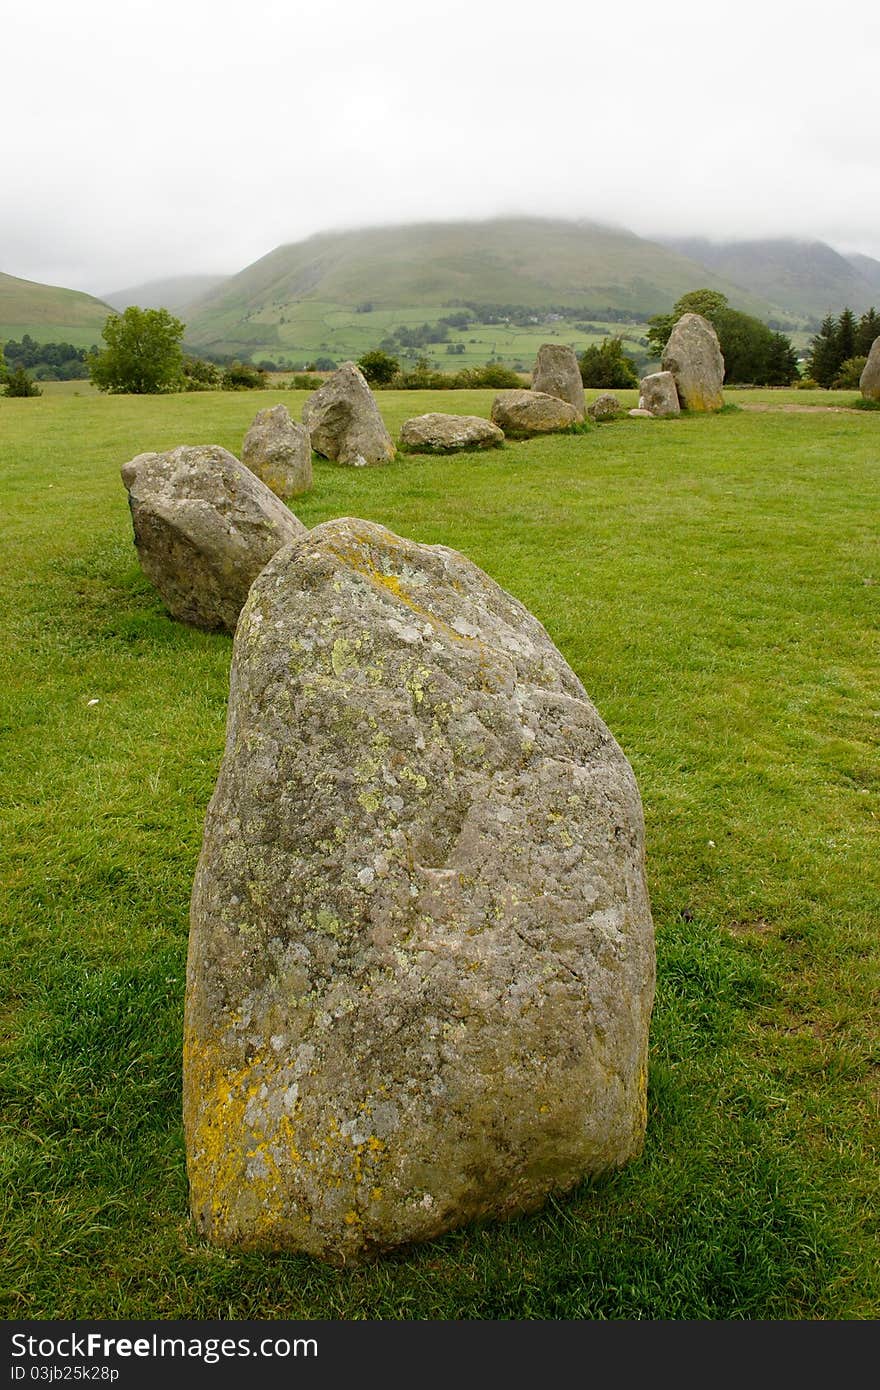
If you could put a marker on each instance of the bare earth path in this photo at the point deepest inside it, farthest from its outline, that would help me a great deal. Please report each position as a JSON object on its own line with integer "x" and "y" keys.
{"x": 790, "y": 409}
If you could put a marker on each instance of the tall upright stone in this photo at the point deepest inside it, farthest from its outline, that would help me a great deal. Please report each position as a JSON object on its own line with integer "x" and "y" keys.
{"x": 869, "y": 381}
{"x": 343, "y": 420}
{"x": 279, "y": 451}
{"x": 693, "y": 356}
{"x": 421, "y": 954}
{"x": 557, "y": 373}
{"x": 204, "y": 527}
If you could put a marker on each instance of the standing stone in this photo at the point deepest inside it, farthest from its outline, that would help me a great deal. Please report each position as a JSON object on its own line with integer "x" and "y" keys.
{"x": 421, "y": 956}
{"x": 279, "y": 451}
{"x": 693, "y": 356}
{"x": 604, "y": 407}
{"x": 204, "y": 527}
{"x": 869, "y": 381}
{"x": 557, "y": 373}
{"x": 521, "y": 414}
{"x": 449, "y": 434}
{"x": 657, "y": 393}
{"x": 343, "y": 420}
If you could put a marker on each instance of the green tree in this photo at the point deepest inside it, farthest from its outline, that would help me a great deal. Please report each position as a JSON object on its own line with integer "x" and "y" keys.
{"x": 846, "y": 334}
{"x": 782, "y": 362}
{"x": 20, "y": 383}
{"x": 2, "y": 366}
{"x": 868, "y": 329}
{"x": 606, "y": 365}
{"x": 824, "y": 361}
{"x": 709, "y": 303}
{"x": 379, "y": 367}
{"x": 143, "y": 355}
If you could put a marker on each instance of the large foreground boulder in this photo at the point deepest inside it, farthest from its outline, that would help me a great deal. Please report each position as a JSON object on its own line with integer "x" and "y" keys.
{"x": 448, "y": 434}
{"x": 557, "y": 373}
{"x": 343, "y": 420}
{"x": 421, "y": 954}
{"x": 521, "y": 414}
{"x": 204, "y": 527}
{"x": 658, "y": 394}
{"x": 693, "y": 356}
{"x": 279, "y": 451}
{"x": 869, "y": 381}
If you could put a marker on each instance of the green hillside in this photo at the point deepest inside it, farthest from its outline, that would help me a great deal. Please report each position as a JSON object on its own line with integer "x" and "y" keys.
{"x": 303, "y": 298}
{"x": 806, "y": 278}
{"x": 49, "y": 314}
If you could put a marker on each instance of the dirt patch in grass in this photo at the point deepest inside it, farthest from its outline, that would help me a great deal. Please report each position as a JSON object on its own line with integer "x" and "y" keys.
{"x": 787, "y": 408}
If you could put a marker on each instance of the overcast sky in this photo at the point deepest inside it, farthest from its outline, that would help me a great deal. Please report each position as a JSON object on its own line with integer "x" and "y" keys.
{"x": 175, "y": 136}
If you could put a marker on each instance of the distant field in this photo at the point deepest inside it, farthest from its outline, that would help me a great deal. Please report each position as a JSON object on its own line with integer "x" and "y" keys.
{"x": 301, "y": 332}
{"x": 713, "y": 581}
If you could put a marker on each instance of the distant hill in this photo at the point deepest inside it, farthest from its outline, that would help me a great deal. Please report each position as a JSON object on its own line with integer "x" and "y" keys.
{"x": 174, "y": 293}
{"x": 49, "y": 314}
{"x": 293, "y": 297}
{"x": 806, "y": 278}
{"x": 868, "y": 268}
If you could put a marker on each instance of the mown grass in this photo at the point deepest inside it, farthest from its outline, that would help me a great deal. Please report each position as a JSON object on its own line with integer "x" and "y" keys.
{"x": 714, "y": 583}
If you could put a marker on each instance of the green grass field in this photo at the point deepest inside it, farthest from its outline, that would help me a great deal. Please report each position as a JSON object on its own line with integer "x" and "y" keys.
{"x": 714, "y": 582}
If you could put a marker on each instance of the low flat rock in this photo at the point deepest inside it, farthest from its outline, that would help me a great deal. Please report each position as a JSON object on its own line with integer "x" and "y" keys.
{"x": 279, "y": 451}
{"x": 657, "y": 393}
{"x": 693, "y": 356}
{"x": 604, "y": 407}
{"x": 447, "y": 434}
{"x": 421, "y": 958}
{"x": 639, "y": 413}
{"x": 869, "y": 381}
{"x": 521, "y": 414}
{"x": 204, "y": 527}
{"x": 344, "y": 422}
{"x": 557, "y": 373}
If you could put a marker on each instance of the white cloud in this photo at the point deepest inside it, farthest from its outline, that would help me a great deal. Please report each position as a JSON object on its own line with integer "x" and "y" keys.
{"x": 175, "y": 137}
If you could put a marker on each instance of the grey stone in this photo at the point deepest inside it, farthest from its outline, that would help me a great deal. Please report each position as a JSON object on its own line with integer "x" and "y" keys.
{"x": 557, "y": 373}
{"x": 421, "y": 954}
{"x": 204, "y": 527}
{"x": 869, "y": 381}
{"x": 640, "y": 414}
{"x": 447, "y": 434}
{"x": 343, "y": 420}
{"x": 604, "y": 407}
{"x": 279, "y": 451}
{"x": 657, "y": 394}
{"x": 693, "y": 356}
{"x": 521, "y": 414}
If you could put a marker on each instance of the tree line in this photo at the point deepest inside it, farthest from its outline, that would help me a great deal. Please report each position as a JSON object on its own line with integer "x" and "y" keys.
{"x": 839, "y": 351}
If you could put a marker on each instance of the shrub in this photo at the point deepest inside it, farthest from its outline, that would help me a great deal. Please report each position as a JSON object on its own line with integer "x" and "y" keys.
{"x": 199, "y": 375}
{"x": 243, "y": 376}
{"x": 20, "y": 383}
{"x": 606, "y": 365}
{"x": 302, "y": 381}
{"x": 378, "y": 367}
{"x": 850, "y": 374}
